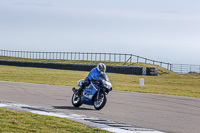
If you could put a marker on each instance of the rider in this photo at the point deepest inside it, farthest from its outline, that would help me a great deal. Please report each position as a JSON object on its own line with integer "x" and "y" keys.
{"x": 94, "y": 73}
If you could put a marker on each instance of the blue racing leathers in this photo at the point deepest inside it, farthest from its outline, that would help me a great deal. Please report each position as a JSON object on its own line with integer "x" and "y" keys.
{"x": 94, "y": 73}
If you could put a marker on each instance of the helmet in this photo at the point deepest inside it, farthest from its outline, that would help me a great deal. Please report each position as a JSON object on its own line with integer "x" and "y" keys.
{"x": 101, "y": 68}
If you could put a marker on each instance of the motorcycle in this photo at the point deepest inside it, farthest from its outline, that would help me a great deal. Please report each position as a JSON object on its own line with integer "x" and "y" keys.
{"x": 94, "y": 94}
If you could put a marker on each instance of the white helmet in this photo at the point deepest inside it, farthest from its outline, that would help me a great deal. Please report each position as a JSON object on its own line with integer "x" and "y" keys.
{"x": 101, "y": 68}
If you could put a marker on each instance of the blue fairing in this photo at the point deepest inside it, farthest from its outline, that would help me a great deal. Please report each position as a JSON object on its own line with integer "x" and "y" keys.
{"x": 88, "y": 94}
{"x": 90, "y": 91}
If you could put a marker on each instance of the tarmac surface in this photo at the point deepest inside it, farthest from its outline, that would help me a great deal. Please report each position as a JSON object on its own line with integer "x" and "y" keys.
{"x": 172, "y": 114}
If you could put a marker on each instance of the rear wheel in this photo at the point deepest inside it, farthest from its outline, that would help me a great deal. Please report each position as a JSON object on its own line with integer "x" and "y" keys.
{"x": 76, "y": 100}
{"x": 100, "y": 103}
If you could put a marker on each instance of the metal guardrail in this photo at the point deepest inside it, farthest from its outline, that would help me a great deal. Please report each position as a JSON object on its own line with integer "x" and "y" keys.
{"x": 115, "y": 57}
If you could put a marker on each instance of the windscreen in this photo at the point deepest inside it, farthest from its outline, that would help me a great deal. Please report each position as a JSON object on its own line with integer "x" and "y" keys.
{"x": 104, "y": 77}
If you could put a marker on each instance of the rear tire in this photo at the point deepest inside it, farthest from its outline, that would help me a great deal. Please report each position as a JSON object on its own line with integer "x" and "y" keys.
{"x": 101, "y": 102}
{"x": 76, "y": 100}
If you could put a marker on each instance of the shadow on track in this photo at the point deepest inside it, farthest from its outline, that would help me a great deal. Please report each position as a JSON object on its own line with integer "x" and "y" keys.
{"x": 70, "y": 108}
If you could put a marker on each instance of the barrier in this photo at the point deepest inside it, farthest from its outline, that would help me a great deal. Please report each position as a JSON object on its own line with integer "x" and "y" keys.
{"x": 152, "y": 71}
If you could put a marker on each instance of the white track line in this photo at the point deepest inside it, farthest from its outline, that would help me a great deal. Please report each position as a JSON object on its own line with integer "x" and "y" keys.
{"x": 95, "y": 122}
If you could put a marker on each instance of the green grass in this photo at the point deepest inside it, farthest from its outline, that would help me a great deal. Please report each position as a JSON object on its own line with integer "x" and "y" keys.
{"x": 18, "y": 121}
{"x": 23, "y": 122}
{"x": 171, "y": 83}
{"x": 166, "y": 82}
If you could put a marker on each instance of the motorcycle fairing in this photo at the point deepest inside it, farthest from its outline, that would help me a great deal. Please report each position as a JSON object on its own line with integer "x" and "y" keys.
{"x": 88, "y": 94}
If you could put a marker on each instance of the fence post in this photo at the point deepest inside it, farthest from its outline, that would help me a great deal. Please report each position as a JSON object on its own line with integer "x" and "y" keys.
{"x": 131, "y": 58}
{"x": 95, "y": 56}
{"x": 167, "y": 66}
{"x": 46, "y": 55}
{"x": 171, "y": 66}
{"x": 87, "y": 56}
{"x": 63, "y": 55}
{"x": 137, "y": 59}
{"x": 75, "y": 56}
{"x": 33, "y": 55}
{"x": 91, "y": 56}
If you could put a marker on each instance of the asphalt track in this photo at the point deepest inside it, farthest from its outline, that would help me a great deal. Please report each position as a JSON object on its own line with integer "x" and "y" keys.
{"x": 172, "y": 114}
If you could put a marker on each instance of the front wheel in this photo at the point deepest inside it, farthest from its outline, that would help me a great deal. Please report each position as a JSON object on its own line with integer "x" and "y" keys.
{"x": 99, "y": 104}
{"x": 76, "y": 100}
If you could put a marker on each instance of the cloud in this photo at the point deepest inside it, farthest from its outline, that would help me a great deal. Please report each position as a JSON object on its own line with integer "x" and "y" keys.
{"x": 32, "y": 3}
{"x": 131, "y": 14}
{"x": 171, "y": 12}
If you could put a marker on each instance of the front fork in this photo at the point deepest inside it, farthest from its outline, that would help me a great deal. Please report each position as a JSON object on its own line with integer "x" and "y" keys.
{"x": 98, "y": 93}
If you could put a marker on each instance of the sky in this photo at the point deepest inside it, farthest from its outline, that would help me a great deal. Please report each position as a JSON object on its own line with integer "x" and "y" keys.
{"x": 162, "y": 30}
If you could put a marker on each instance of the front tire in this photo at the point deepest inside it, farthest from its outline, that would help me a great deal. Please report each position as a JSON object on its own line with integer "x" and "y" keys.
{"x": 100, "y": 103}
{"x": 76, "y": 100}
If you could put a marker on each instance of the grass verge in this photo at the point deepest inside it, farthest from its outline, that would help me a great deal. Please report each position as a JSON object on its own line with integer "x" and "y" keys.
{"x": 18, "y": 121}
{"x": 170, "y": 83}
{"x": 22, "y": 122}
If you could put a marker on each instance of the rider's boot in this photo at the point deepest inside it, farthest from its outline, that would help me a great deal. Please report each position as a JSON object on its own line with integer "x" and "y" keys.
{"x": 84, "y": 84}
{"x": 79, "y": 91}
